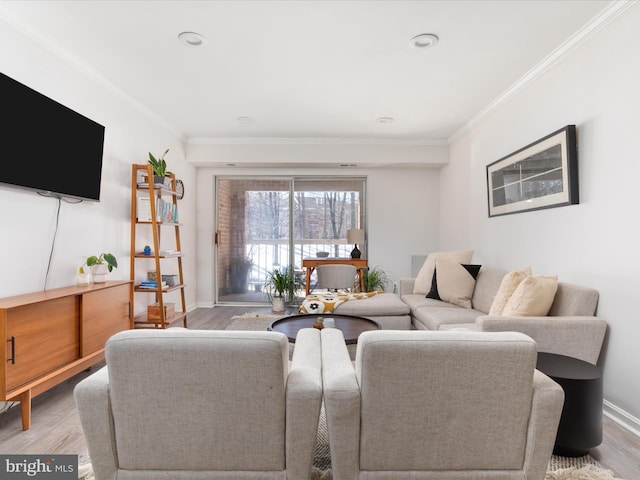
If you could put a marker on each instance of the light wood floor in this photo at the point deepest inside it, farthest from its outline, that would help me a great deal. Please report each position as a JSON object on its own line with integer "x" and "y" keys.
{"x": 55, "y": 427}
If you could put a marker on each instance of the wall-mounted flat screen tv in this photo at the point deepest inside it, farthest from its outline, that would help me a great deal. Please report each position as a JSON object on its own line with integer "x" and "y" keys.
{"x": 47, "y": 147}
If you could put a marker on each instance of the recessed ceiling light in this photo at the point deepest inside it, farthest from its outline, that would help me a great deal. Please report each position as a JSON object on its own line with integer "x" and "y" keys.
{"x": 384, "y": 120}
{"x": 192, "y": 39}
{"x": 425, "y": 40}
{"x": 246, "y": 119}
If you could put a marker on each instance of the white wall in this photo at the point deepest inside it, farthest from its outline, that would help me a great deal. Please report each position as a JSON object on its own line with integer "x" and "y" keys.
{"x": 594, "y": 243}
{"x": 402, "y": 206}
{"x": 28, "y": 226}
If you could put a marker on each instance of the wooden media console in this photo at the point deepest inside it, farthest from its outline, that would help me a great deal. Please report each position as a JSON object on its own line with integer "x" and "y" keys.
{"x": 54, "y": 335}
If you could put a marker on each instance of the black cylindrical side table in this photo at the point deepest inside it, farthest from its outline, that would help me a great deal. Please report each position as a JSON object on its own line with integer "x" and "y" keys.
{"x": 580, "y": 426}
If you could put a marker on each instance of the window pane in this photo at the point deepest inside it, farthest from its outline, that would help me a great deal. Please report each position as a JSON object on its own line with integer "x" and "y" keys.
{"x": 324, "y": 209}
{"x": 254, "y": 234}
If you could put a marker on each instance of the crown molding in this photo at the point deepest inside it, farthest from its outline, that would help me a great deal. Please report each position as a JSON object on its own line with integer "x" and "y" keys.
{"x": 597, "y": 23}
{"x": 315, "y": 141}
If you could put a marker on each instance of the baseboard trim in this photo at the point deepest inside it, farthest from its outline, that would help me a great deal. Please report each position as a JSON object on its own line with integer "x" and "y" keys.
{"x": 622, "y": 418}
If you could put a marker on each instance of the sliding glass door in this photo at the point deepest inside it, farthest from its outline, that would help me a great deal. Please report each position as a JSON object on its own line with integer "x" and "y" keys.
{"x": 266, "y": 222}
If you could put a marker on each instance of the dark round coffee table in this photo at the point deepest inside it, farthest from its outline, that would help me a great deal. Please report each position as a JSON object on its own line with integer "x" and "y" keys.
{"x": 580, "y": 426}
{"x": 351, "y": 326}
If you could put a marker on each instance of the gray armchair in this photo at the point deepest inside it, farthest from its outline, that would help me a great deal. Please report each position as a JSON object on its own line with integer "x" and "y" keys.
{"x": 188, "y": 404}
{"x": 434, "y": 405}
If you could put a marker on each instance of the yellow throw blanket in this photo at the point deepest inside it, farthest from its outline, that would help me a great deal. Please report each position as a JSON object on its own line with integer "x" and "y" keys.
{"x": 327, "y": 303}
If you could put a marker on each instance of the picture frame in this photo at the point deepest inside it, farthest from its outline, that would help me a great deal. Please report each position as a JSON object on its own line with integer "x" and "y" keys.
{"x": 541, "y": 175}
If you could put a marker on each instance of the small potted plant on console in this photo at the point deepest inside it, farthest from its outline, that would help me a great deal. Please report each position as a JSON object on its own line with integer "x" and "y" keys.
{"x": 101, "y": 266}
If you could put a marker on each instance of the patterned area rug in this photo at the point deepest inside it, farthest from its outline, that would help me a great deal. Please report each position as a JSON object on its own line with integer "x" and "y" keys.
{"x": 258, "y": 316}
{"x": 252, "y": 321}
{"x": 560, "y": 468}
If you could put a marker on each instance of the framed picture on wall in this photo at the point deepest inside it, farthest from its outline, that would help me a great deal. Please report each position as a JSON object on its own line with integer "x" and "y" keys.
{"x": 543, "y": 174}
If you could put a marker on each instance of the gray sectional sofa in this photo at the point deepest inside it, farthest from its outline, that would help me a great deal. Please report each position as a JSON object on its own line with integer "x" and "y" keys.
{"x": 571, "y": 328}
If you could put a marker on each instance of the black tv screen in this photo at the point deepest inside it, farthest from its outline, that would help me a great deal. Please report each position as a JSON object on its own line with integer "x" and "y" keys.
{"x": 46, "y": 146}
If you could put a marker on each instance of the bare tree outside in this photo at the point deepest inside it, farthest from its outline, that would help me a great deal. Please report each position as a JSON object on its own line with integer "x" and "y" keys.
{"x": 336, "y": 204}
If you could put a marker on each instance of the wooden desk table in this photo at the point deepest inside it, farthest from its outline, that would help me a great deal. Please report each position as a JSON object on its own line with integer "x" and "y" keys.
{"x": 310, "y": 264}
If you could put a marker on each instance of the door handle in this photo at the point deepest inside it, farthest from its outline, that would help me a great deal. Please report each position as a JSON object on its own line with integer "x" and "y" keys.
{"x": 13, "y": 350}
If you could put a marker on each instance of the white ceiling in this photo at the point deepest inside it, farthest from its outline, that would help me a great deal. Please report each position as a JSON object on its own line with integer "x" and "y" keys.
{"x": 312, "y": 69}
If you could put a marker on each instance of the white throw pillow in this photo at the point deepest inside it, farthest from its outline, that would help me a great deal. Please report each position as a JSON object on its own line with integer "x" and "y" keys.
{"x": 532, "y": 298}
{"x": 455, "y": 282}
{"x": 422, "y": 283}
{"x": 508, "y": 285}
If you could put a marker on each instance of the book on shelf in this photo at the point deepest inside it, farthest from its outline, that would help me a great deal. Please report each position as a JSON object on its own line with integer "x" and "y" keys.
{"x": 170, "y": 253}
{"x": 166, "y": 212}
{"x": 148, "y": 284}
{"x": 144, "y": 209}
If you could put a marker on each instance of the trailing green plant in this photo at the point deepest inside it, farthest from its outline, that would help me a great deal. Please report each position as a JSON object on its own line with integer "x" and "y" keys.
{"x": 159, "y": 164}
{"x": 107, "y": 258}
{"x": 375, "y": 279}
{"x": 281, "y": 283}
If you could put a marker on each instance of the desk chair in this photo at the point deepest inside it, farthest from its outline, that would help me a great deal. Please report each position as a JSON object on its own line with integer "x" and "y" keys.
{"x": 336, "y": 277}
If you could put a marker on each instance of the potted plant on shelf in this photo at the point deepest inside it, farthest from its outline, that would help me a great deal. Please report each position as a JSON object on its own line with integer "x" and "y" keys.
{"x": 101, "y": 266}
{"x": 159, "y": 167}
{"x": 280, "y": 287}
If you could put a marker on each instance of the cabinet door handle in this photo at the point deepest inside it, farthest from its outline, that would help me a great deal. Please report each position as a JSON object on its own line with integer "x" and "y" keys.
{"x": 13, "y": 351}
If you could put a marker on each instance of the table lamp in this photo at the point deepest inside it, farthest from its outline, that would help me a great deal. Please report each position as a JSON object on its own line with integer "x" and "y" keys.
{"x": 355, "y": 236}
